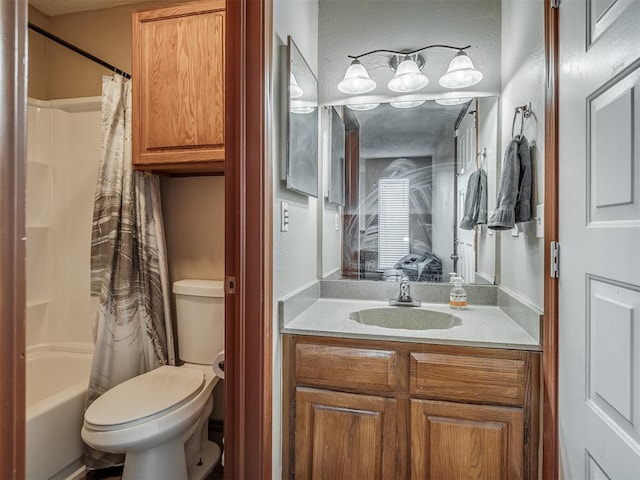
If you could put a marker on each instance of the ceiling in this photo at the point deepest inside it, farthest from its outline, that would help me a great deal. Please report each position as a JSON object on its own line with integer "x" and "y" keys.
{"x": 413, "y": 132}
{"x": 52, "y": 8}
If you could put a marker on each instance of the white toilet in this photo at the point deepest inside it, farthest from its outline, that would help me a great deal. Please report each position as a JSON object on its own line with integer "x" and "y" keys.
{"x": 159, "y": 419}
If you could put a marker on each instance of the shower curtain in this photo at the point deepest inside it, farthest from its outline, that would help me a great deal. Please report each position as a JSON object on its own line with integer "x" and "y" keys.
{"x": 132, "y": 325}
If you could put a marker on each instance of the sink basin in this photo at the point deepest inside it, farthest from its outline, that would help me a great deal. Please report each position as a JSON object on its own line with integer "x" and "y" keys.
{"x": 405, "y": 318}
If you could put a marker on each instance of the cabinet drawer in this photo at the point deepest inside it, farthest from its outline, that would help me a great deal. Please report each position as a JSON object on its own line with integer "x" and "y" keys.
{"x": 346, "y": 367}
{"x": 468, "y": 378}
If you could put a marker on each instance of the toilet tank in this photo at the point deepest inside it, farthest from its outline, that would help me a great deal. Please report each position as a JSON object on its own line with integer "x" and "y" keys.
{"x": 200, "y": 319}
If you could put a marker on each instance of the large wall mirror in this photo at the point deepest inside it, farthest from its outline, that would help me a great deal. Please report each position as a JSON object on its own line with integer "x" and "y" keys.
{"x": 410, "y": 155}
{"x": 413, "y": 168}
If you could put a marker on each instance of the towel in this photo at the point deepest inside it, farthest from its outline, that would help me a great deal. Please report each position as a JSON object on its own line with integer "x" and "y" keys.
{"x": 475, "y": 202}
{"x": 514, "y": 199}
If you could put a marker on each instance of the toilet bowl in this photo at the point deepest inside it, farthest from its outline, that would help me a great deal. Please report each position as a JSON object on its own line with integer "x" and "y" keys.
{"x": 160, "y": 419}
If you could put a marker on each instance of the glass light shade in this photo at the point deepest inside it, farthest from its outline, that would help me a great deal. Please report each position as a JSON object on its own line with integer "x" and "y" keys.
{"x": 407, "y": 104}
{"x": 408, "y": 77}
{"x": 302, "y": 110}
{"x": 294, "y": 90}
{"x": 356, "y": 80}
{"x": 461, "y": 73}
{"x": 361, "y": 107}
{"x": 452, "y": 101}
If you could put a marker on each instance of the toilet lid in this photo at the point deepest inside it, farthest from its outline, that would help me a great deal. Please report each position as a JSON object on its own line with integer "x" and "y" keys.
{"x": 146, "y": 395}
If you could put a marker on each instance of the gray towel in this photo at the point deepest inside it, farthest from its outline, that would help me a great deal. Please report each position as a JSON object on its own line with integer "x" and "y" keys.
{"x": 514, "y": 199}
{"x": 475, "y": 202}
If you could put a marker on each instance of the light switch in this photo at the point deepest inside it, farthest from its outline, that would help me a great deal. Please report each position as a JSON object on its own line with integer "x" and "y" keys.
{"x": 539, "y": 221}
{"x": 284, "y": 217}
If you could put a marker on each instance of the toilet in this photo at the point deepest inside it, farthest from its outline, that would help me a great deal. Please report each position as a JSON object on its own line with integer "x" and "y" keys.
{"x": 160, "y": 419}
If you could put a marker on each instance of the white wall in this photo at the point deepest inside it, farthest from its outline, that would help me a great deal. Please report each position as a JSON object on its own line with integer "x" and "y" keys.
{"x": 296, "y": 252}
{"x": 521, "y": 259}
{"x": 64, "y": 139}
{"x": 488, "y": 112}
{"x": 353, "y": 27}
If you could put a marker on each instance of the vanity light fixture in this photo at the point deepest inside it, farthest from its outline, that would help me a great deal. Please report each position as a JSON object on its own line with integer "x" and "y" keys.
{"x": 361, "y": 107}
{"x": 452, "y": 101}
{"x": 408, "y": 77}
{"x": 294, "y": 89}
{"x": 407, "y": 104}
{"x": 461, "y": 73}
{"x": 356, "y": 79}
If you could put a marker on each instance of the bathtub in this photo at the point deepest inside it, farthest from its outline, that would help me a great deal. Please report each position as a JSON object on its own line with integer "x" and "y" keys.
{"x": 57, "y": 378}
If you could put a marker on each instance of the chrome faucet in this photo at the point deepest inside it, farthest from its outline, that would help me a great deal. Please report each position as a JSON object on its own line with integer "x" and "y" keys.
{"x": 404, "y": 299}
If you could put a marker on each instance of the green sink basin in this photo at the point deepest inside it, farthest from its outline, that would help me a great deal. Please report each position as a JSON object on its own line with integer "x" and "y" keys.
{"x": 405, "y": 318}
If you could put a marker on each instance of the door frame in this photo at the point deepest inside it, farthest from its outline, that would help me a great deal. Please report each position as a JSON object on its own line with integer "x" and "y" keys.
{"x": 550, "y": 447}
{"x": 248, "y": 197}
{"x": 248, "y": 240}
{"x": 13, "y": 112}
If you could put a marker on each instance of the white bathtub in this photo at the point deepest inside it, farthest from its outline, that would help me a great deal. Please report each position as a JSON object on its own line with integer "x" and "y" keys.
{"x": 57, "y": 378}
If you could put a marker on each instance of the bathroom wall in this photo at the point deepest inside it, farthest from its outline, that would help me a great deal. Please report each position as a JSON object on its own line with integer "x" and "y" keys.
{"x": 488, "y": 111}
{"x": 351, "y": 27}
{"x": 38, "y": 86}
{"x": 521, "y": 258}
{"x": 296, "y": 252}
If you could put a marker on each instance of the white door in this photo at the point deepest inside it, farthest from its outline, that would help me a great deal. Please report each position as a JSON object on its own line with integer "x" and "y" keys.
{"x": 599, "y": 331}
{"x": 466, "y": 139}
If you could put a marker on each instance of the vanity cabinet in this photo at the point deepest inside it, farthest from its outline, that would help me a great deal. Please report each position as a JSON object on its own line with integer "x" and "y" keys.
{"x": 359, "y": 408}
{"x": 178, "y": 88}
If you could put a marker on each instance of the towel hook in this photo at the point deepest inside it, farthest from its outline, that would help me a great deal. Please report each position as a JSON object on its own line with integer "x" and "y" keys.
{"x": 525, "y": 110}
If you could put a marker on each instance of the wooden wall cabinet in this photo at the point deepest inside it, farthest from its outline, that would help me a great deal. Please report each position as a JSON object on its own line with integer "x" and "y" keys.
{"x": 387, "y": 410}
{"x": 178, "y": 88}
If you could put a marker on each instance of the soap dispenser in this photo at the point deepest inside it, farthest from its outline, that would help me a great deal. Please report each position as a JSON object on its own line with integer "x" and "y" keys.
{"x": 458, "y": 296}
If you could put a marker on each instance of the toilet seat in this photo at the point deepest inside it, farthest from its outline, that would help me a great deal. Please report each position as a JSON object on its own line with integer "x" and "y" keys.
{"x": 144, "y": 398}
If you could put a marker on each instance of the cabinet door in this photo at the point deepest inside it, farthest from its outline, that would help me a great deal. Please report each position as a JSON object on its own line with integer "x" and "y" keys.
{"x": 455, "y": 440}
{"x": 345, "y": 436}
{"x": 178, "y": 86}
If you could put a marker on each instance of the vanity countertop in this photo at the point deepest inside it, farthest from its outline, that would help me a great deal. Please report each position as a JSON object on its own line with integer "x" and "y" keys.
{"x": 482, "y": 326}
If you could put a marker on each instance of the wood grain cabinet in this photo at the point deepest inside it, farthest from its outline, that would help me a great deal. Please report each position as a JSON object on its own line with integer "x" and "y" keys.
{"x": 178, "y": 88}
{"x": 392, "y": 410}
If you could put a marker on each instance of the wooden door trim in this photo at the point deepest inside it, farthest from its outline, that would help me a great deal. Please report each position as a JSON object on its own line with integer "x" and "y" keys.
{"x": 13, "y": 109}
{"x": 550, "y": 450}
{"x": 248, "y": 219}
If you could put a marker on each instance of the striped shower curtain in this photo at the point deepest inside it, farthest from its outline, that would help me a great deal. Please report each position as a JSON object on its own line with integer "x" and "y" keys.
{"x": 132, "y": 325}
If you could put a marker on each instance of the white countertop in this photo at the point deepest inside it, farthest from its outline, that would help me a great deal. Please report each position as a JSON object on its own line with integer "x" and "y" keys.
{"x": 482, "y": 326}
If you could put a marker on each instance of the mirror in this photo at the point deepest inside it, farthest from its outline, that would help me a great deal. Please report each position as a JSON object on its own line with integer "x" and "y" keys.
{"x": 302, "y": 124}
{"x": 413, "y": 168}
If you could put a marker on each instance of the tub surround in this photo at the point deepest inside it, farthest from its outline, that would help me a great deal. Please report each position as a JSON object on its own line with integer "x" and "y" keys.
{"x": 495, "y": 318}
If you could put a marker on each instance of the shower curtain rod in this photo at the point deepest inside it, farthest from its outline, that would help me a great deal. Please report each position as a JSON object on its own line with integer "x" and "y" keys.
{"x": 78, "y": 50}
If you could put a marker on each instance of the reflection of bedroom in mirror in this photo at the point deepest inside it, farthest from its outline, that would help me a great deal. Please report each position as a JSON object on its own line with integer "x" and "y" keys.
{"x": 302, "y": 124}
{"x": 413, "y": 166}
